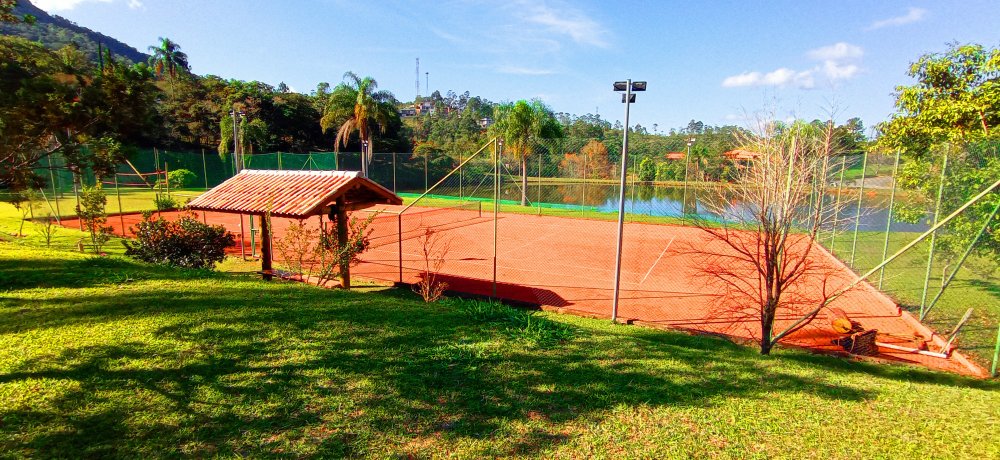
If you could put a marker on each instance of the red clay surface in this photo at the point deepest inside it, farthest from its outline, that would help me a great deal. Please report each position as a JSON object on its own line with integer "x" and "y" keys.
{"x": 568, "y": 264}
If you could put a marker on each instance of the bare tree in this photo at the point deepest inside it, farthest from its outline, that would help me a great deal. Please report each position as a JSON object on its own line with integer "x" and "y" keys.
{"x": 763, "y": 258}
{"x": 433, "y": 250}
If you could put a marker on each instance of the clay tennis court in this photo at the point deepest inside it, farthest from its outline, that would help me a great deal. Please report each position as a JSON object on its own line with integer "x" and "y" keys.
{"x": 568, "y": 264}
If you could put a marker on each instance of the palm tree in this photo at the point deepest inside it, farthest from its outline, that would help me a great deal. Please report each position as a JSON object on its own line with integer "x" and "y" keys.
{"x": 356, "y": 105}
{"x": 167, "y": 57}
{"x": 520, "y": 123}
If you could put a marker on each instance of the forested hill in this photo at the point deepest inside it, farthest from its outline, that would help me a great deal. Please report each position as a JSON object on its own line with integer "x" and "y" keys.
{"x": 56, "y": 31}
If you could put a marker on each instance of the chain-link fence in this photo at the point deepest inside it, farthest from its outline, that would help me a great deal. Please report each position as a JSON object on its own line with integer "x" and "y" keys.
{"x": 543, "y": 231}
{"x": 950, "y": 280}
{"x": 539, "y": 226}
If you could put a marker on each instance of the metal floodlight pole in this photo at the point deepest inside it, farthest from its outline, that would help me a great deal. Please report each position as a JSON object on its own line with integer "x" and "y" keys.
{"x": 628, "y": 98}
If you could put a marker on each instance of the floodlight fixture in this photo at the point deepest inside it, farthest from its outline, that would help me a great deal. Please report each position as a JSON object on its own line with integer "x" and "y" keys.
{"x": 631, "y": 98}
{"x": 625, "y": 85}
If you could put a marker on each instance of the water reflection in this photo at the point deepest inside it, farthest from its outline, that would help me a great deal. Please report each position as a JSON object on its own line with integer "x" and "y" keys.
{"x": 669, "y": 201}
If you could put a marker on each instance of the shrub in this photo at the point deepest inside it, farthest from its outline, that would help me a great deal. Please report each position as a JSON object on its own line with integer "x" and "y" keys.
{"x": 296, "y": 249}
{"x": 179, "y": 178}
{"x": 91, "y": 211}
{"x": 165, "y": 203}
{"x": 184, "y": 243}
{"x": 330, "y": 257}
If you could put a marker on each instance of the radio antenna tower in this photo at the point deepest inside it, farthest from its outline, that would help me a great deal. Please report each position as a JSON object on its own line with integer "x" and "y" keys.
{"x": 417, "y": 85}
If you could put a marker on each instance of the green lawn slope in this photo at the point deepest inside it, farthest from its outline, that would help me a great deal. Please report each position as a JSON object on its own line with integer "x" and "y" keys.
{"x": 105, "y": 357}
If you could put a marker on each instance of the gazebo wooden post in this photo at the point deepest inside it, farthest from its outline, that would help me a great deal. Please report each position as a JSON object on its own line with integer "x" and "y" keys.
{"x": 340, "y": 209}
{"x": 265, "y": 247}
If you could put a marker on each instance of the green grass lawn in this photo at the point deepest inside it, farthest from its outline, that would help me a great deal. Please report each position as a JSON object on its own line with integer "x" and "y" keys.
{"x": 105, "y": 357}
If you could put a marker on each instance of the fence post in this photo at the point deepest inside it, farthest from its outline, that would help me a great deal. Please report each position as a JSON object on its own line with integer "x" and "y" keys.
{"x": 166, "y": 177}
{"x": 121, "y": 212}
{"x": 204, "y": 167}
{"x": 497, "y": 146}
{"x": 538, "y": 196}
{"x": 279, "y": 161}
{"x": 583, "y": 200}
{"x": 996, "y": 354}
{"x": 399, "y": 243}
{"x": 76, "y": 194}
{"x": 937, "y": 213}
{"x": 55, "y": 194}
{"x": 426, "y": 185}
{"x": 888, "y": 219}
{"x": 393, "y": 172}
{"x": 857, "y": 212}
{"x": 836, "y": 206}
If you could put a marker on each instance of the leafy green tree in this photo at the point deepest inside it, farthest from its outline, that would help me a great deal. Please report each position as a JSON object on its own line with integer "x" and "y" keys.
{"x": 91, "y": 211}
{"x": 168, "y": 57}
{"x": 951, "y": 109}
{"x": 40, "y": 109}
{"x": 358, "y": 105}
{"x": 7, "y": 13}
{"x": 519, "y": 124}
{"x": 647, "y": 170}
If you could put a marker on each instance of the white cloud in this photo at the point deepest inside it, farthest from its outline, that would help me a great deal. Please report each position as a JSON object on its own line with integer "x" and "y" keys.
{"x": 912, "y": 15}
{"x": 838, "y": 71}
{"x": 62, "y": 5}
{"x": 516, "y": 70}
{"x": 564, "y": 20}
{"x": 779, "y": 77}
{"x": 836, "y": 51}
{"x": 134, "y": 4}
{"x": 839, "y": 62}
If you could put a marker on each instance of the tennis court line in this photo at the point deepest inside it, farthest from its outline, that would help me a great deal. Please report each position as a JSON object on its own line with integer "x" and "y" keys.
{"x": 651, "y": 267}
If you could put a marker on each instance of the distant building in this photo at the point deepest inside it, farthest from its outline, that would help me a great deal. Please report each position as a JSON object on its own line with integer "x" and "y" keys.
{"x": 407, "y": 112}
{"x": 740, "y": 154}
{"x": 675, "y": 155}
{"x": 485, "y": 122}
{"x": 425, "y": 106}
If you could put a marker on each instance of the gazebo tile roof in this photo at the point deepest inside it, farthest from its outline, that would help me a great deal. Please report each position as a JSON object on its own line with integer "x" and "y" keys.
{"x": 296, "y": 194}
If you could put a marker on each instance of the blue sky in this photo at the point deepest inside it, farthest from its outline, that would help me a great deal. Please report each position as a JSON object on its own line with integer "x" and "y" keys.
{"x": 711, "y": 61}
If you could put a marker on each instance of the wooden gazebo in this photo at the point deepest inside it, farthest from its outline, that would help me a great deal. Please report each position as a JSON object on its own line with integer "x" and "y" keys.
{"x": 295, "y": 195}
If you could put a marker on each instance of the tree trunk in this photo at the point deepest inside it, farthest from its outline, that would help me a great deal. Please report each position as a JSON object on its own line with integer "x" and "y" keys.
{"x": 765, "y": 340}
{"x": 524, "y": 180}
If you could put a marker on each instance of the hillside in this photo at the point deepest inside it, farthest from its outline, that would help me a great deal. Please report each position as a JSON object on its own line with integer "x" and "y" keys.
{"x": 55, "y": 32}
